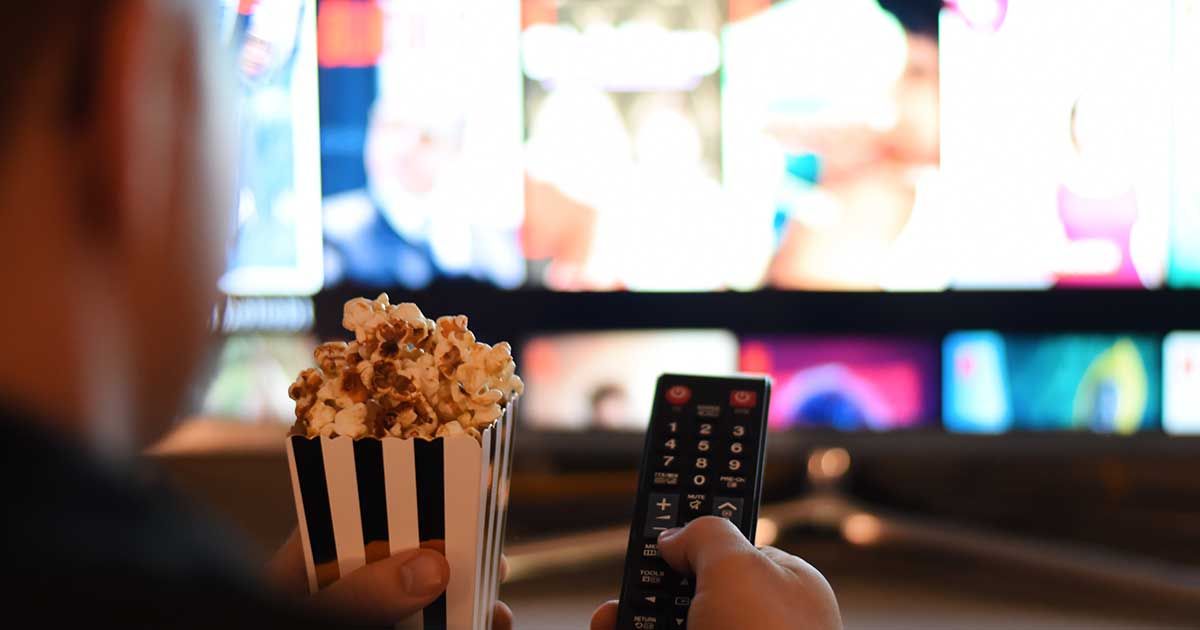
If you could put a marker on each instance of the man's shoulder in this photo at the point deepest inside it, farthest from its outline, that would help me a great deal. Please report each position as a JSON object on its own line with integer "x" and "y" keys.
{"x": 87, "y": 541}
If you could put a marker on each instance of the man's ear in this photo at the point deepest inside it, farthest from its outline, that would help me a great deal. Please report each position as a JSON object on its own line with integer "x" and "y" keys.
{"x": 131, "y": 125}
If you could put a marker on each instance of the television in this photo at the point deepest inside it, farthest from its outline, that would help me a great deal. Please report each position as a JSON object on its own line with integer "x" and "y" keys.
{"x": 798, "y": 145}
{"x": 851, "y": 190}
{"x": 274, "y": 248}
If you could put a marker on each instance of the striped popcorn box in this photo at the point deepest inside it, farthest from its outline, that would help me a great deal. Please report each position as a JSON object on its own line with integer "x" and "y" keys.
{"x": 359, "y": 501}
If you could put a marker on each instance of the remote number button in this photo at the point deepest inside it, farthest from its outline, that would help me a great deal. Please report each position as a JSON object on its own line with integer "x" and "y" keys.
{"x": 699, "y": 480}
{"x": 670, "y": 444}
{"x": 735, "y": 465}
{"x": 701, "y": 463}
{"x": 736, "y": 448}
{"x": 739, "y": 430}
{"x": 706, "y": 428}
{"x": 673, "y": 427}
{"x": 703, "y": 446}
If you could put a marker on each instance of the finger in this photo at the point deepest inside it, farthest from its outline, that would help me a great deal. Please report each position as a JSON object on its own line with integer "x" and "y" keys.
{"x": 793, "y": 564}
{"x": 703, "y": 544}
{"x": 502, "y": 619}
{"x": 816, "y": 587}
{"x": 439, "y": 546}
{"x": 391, "y": 589}
{"x": 605, "y": 617}
{"x": 286, "y": 571}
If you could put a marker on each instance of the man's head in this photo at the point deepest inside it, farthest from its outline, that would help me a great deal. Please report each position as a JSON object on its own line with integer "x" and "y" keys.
{"x": 113, "y": 177}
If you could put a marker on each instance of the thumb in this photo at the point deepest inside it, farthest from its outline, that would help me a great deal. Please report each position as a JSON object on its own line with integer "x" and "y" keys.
{"x": 705, "y": 544}
{"x": 390, "y": 589}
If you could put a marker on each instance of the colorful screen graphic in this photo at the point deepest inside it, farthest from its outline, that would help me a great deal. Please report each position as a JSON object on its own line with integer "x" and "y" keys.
{"x": 421, "y": 141}
{"x": 830, "y": 114}
{"x": 606, "y": 380}
{"x": 252, "y": 376}
{"x": 994, "y": 382}
{"x": 851, "y": 383}
{"x": 1056, "y": 135}
{"x": 1184, "y": 269}
{"x": 275, "y": 246}
{"x": 658, "y": 145}
{"x": 622, "y": 146}
{"x": 1181, "y": 386}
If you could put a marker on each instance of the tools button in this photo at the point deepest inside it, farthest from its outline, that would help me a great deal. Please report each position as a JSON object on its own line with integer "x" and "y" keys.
{"x": 652, "y": 574}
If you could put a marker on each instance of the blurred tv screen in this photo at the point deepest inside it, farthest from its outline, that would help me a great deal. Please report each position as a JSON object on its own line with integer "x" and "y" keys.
{"x": 605, "y": 380}
{"x": 1056, "y": 143}
{"x": 274, "y": 247}
{"x": 847, "y": 383}
{"x": 252, "y": 374}
{"x": 421, "y": 141}
{"x": 1184, "y": 265}
{"x": 653, "y": 145}
{"x": 1105, "y": 383}
{"x": 1181, "y": 387}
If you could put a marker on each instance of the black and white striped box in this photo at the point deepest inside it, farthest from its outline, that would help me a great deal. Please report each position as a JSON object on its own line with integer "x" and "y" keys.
{"x": 362, "y": 500}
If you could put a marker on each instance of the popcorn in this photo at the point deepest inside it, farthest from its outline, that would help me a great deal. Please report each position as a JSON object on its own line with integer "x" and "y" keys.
{"x": 404, "y": 375}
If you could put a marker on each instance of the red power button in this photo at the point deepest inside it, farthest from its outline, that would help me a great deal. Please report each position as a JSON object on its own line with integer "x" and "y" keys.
{"x": 743, "y": 398}
{"x": 679, "y": 395}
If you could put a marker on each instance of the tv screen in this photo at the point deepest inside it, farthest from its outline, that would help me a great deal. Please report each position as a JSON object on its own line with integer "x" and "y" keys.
{"x": 652, "y": 145}
{"x": 1056, "y": 143}
{"x": 605, "y": 380}
{"x": 421, "y": 141}
{"x": 275, "y": 245}
{"x": 1183, "y": 269}
{"x": 994, "y": 382}
{"x": 1181, "y": 386}
{"x": 847, "y": 383}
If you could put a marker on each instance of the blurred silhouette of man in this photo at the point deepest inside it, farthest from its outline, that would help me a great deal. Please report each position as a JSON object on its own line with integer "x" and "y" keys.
{"x": 114, "y": 173}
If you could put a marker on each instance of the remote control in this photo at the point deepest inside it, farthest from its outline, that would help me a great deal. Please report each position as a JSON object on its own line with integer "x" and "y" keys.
{"x": 704, "y": 455}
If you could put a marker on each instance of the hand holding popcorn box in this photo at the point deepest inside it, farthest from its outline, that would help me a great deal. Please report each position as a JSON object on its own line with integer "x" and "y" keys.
{"x": 403, "y": 437}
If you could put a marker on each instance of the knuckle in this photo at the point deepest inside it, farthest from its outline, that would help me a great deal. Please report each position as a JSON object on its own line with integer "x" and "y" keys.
{"x": 708, "y": 526}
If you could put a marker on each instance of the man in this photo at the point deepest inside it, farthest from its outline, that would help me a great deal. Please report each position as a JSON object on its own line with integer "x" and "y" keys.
{"x": 114, "y": 170}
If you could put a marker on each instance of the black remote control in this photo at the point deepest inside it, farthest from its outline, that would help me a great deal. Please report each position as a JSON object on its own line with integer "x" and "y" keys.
{"x": 704, "y": 455}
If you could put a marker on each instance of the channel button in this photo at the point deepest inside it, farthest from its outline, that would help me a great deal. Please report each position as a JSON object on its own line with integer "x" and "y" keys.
{"x": 729, "y": 508}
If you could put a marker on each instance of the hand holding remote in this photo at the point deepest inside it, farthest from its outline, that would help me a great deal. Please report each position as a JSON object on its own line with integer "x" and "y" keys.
{"x": 738, "y": 586}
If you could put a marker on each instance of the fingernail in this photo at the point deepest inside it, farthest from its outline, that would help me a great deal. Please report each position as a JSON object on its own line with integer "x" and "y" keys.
{"x": 668, "y": 533}
{"x": 424, "y": 574}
